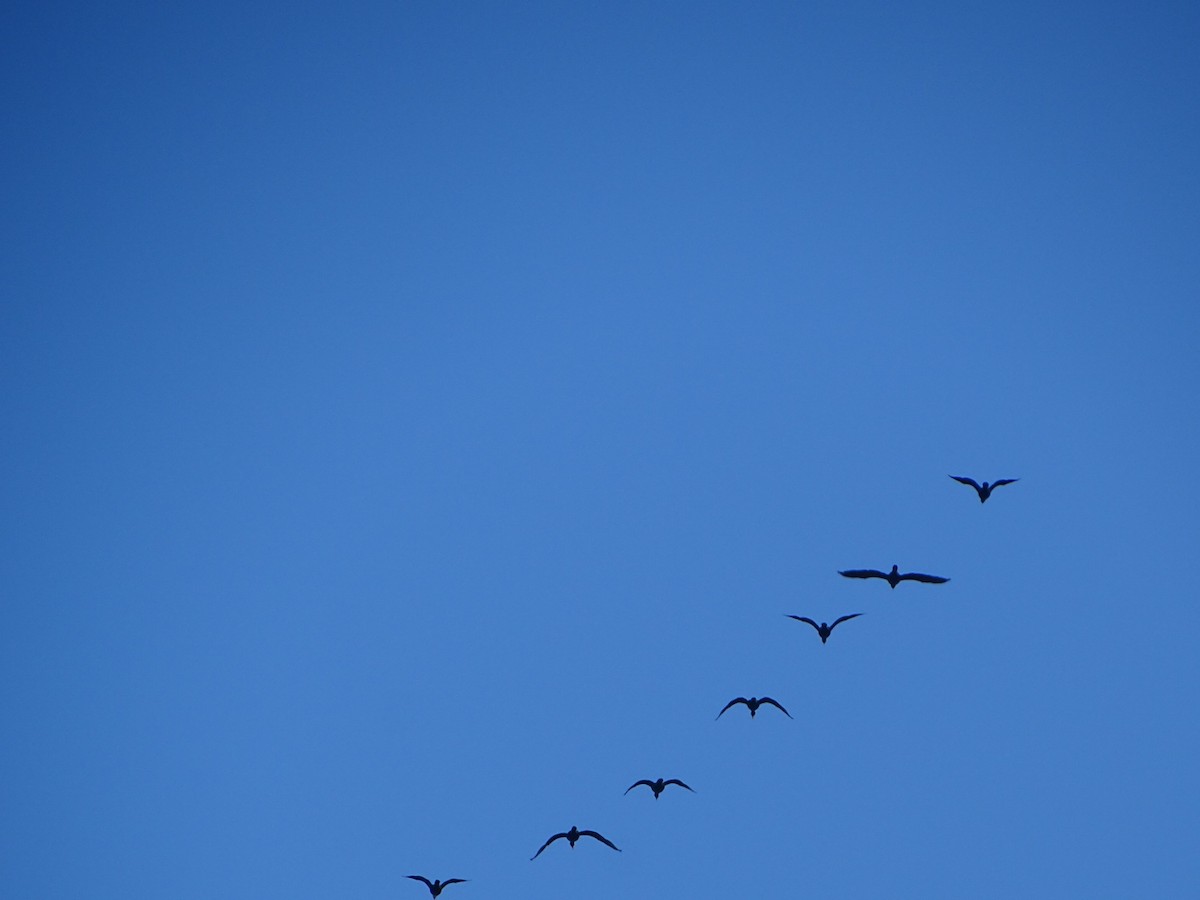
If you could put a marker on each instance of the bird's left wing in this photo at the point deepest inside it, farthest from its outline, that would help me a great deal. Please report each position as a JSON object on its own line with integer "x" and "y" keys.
{"x": 806, "y": 619}
{"x": 549, "y": 841}
{"x": 731, "y": 703}
{"x": 997, "y": 484}
{"x": 678, "y": 782}
{"x": 837, "y": 622}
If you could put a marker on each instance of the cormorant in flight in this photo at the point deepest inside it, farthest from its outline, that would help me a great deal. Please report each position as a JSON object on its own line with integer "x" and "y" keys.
{"x": 753, "y": 704}
{"x": 824, "y": 630}
{"x": 435, "y": 887}
{"x": 572, "y": 836}
{"x": 657, "y": 786}
{"x": 894, "y": 577}
{"x": 983, "y": 490}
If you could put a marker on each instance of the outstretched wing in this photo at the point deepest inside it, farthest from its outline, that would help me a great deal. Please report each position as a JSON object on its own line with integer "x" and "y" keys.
{"x": 926, "y": 579}
{"x": 863, "y": 573}
{"x": 837, "y": 622}
{"x": 997, "y": 484}
{"x": 601, "y": 838}
{"x": 678, "y": 782}
{"x": 776, "y": 704}
{"x": 649, "y": 784}
{"x": 552, "y": 839}
{"x": 455, "y": 881}
{"x": 732, "y": 702}
{"x": 428, "y": 883}
{"x": 961, "y": 479}
{"x": 808, "y": 620}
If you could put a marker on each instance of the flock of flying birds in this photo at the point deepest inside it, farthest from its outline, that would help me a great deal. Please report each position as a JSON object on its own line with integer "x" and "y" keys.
{"x": 824, "y": 630}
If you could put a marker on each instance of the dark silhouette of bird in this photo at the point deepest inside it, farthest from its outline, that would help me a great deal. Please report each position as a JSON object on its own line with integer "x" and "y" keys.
{"x": 435, "y": 887}
{"x": 572, "y": 836}
{"x": 824, "y": 630}
{"x": 983, "y": 490}
{"x": 894, "y": 577}
{"x": 657, "y": 786}
{"x": 753, "y": 704}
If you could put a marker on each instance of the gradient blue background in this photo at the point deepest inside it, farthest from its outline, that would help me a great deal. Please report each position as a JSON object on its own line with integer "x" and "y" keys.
{"x": 419, "y": 417}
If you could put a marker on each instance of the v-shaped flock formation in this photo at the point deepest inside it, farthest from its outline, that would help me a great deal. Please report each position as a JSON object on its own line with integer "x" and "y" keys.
{"x": 753, "y": 704}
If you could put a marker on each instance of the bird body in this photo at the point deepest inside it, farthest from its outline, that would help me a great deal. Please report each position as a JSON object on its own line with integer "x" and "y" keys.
{"x": 983, "y": 490}
{"x": 435, "y": 887}
{"x": 658, "y": 786}
{"x": 893, "y": 577}
{"x": 753, "y": 704}
{"x": 823, "y": 629}
{"x": 572, "y": 836}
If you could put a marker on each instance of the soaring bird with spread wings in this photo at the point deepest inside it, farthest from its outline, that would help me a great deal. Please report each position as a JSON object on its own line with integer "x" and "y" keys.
{"x": 572, "y": 836}
{"x": 435, "y": 887}
{"x": 753, "y": 704}
{"x": 657, "y": 786}
{"x": 823, "y": 629}
{"x": 894, "y": 577}
{"x": 983, "y": 490}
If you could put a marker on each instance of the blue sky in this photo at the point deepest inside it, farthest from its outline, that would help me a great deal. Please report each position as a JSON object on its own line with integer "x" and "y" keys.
{"x": 419, "y": 418}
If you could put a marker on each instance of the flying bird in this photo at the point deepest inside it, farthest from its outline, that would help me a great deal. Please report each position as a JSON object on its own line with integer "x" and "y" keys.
{"x": 893, "y": 577}
{"x": 572, "y": 836}
{"x": 824, "y": 630}
{"x": 753, "y": 704}
{"x": 658, "y": 786}
{"x": 435, "y": 887}
{"x": 983, "y": 490}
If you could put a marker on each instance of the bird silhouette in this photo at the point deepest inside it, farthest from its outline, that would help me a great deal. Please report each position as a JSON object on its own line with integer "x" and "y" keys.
{"x": 983, "y": 490}
{"x": 657, "y": 786}
{"x": 894, "y": 577}
{"x": 435, "y": 887}
{"x": 572, "y": 836}
{"x": 753, "y": 704}
{"x": 824, "y": 630}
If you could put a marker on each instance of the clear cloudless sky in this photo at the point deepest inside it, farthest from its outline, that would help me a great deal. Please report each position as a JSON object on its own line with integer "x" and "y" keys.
{"x": 418, "y": 419}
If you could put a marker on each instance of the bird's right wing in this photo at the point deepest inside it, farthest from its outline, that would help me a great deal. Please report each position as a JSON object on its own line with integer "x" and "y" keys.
{"x": 863, "y": 573}
{"x": 551, "y": 840}
{"x": 731, "y": 703}
{"x": 455, "y": 881}
{"x": 776, "y": 704}
{"x": 428, "y": 883}
{"x": 648, "y": 784}
{"x": 808, "y": 620}
{"x": 962, "y": 479}
{"x": 678, "y": 782}
{"x": 837, "y": 622}
{"x": 1002, "y": 481}
{"x": 925, "y": 579}
{"x": 601, "y": 838}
